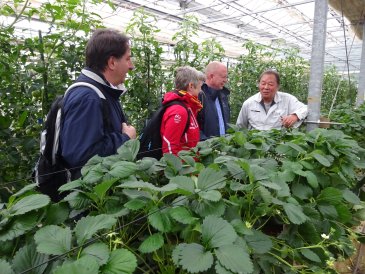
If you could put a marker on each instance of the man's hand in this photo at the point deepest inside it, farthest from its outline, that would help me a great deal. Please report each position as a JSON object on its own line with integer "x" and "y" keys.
{"x": 129, "y": 130}
{"x": 290, "y": 120}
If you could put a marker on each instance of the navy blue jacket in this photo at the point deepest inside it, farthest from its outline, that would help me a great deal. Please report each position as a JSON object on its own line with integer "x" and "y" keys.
{"x": 84, "y": 133}
{"x": 208, "y": 117}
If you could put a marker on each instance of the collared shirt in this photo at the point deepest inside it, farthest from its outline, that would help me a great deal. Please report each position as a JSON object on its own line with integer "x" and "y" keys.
{"x": 222, "y": 130}
{"x": 254, "y": 116}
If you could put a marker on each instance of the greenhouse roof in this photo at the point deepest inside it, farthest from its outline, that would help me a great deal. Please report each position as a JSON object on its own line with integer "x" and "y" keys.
{"x": 275, "y": 23}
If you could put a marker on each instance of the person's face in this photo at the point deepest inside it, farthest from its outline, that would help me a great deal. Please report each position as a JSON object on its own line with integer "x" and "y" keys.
{"x": 219, "y": 78}
{"x": 268, "y": 87}
{"x": 122, "y": 66}
{"x": 194, "y": 90}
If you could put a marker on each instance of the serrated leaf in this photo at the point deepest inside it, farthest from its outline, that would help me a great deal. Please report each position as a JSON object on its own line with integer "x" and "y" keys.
{"x": 351, "y": 197}
{"x": 210, "y": 179}
{"x": 135, "y": 204}
{"x": 5, "y": 267}
{"x": 71, "y": 185}
{"x": 53, "y": 240}
{"x": 28, "y": 258}
{"x": 85, "y": 265}
{"x": 211, "y": 195}
{"x": 310, "y": 255}
{"x": 94, "y": 174}
{"x": 159, "y": 220}
{"x": 121, "y": 261}
{"x": 88, "y": 226}
{"x": 193, "y": 257}
{"x": 129, "y": 150}
{"x": 101, "y": 189}
{"x": 57, "y": 214}
{"x": 123, "y": 169}
{"x": 234, "y": 258}
{"x": 269, "y": 184}
{"x": 219, "y": 269}
{"x": 235, "y": 170}
{"x": 205, "y": 208}
{"x": 173, "y": 161}
{"x": 312, "y": 179}
{"x": 259, "y": 242}
{"x": 259, "y": 173}
{"x": 19, "y": 226}
{"x": 321, "y": 159}
{"x": 29, "y": 203}
{"x": 301, "y": 191}
{"x": 344, "y": 214}
{"x": 152, "y": 243}
{"x": 294, "y": 213}
{"x": 184, "y": 183}
{"x": 265, "y": 194}
{"x": 330, "y": 195}
{"x": 217, "y": 232}
{"x": 182, "y": 215}
{"x": 25, "y": 189}
{"x": 98, "y": 252}
{"x": 328, "y": 211}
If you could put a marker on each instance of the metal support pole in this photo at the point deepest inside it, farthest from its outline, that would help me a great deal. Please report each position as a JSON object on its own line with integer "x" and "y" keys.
{"x": 361, "y": 89}
{"x": 317, "y": 62}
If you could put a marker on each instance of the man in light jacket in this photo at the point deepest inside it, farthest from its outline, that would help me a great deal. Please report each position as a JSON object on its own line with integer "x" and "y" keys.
{"x": 270, "y": 108}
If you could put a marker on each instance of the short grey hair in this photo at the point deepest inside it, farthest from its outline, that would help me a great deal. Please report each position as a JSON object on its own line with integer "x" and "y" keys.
{"x": 185, "y": 75}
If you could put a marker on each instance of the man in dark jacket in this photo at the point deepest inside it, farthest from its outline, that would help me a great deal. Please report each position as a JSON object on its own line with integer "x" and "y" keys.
{"x": 85, "y": 131}
{"x": 215, "y": 115}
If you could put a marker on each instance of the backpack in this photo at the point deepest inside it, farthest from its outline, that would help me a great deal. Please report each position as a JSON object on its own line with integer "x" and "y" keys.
{"x": 150, "y": 138}
{"x": 50, "y": 171}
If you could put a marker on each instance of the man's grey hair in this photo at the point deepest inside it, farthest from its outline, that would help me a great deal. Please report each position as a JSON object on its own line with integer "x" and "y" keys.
{"x": 185, "y": 75}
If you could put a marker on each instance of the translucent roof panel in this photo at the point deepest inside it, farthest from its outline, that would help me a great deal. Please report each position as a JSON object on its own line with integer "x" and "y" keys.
{"x": 275, "y": 23}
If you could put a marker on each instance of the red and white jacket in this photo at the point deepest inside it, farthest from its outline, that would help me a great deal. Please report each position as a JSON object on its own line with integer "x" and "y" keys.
{"x": 174, "y": 121}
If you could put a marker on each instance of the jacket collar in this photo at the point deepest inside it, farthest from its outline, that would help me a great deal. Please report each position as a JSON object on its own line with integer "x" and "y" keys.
{"x": 101, "y": 80}
{"x": 258, "y": 98}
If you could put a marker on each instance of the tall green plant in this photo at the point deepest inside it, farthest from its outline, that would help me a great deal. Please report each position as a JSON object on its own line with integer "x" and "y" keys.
{"x": 33, "y": 71}
{"x": 145, "y": 83}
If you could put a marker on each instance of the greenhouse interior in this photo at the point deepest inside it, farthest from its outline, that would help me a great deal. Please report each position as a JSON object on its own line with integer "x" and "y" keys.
{"x": 182, "y": 136}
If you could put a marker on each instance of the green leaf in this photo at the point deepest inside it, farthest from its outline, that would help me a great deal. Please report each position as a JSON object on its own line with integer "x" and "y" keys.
{"x": 99, "y": 252}
{"x": 265, "y": 194}
{"x": 173, "y": 161}
{"x": 211, "y": 195}
{"x": 5, "y": 267}
{"x": 344, "y": 214}
{"x": 192, "y": 257}
{"x": 19, "y": 226}
{"x": 210, "y": 179}
{"x": 259, "y": 242}
{"x": 312, "y": 179}
{"x": 152, "y": 243}
{"x": 205, "y": 207}
{"x": 295, "y": 213}
{"x": 219, "y": 269}
{"x": 182, "y": 215}
{"x": 89, "y": 225}
{"x": 269, "y": 184}
{"x": 309, "y": 254}
{"x": 321, "y": 159}
{"x": 28, "y": 258}
{"x": 29, "y": 203}
{"x": 135, "y": 204}
{"x": 57, "y": 214}
{"x": 102, "y": 188}
{"x": 159, "y": 220}
{"x": 84, "y": 265}
{"x": 351, "y": 197}
{"x": 234, "y": 258}
{"x": 25, "y": 189}
{"x": 53, "y": 240}
{"x": 301, "y": 191}
{"x": 330, "y": 195}
{"x": 184, "y": 183}
{"x": 259, "y": 173}
{"x": 93, "y": 174}
{"x": 129, "y": 150}
{"x": 123, "y": 169}
{"x": 328, "y": 211}
{"x": 70, "y": 186}
{"x": 217, "y": 232}
{"x": 121, "y": 261}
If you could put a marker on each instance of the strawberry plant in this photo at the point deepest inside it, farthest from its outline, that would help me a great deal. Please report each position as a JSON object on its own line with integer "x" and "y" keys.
{"x": 253, "y": 202}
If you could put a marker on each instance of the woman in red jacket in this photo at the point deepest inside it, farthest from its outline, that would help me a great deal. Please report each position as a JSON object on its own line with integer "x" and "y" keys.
{"x": 188, "y": 82}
